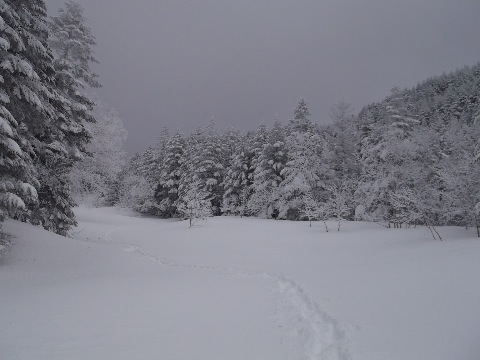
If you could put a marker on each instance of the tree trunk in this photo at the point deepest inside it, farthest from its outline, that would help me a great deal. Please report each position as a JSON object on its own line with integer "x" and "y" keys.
{"x": 476, "y": 225}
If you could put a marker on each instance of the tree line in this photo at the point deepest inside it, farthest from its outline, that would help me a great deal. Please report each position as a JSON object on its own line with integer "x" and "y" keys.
{"x": 410, "y": 159}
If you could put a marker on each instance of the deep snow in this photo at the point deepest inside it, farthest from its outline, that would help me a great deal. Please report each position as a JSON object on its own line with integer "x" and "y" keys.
{"x": 128, "y": 287}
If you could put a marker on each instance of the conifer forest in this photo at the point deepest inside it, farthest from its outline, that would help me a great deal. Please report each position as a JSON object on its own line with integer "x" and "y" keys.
{"x": 411, "y": 159}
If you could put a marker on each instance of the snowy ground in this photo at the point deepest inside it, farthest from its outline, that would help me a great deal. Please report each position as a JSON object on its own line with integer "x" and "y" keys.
{"x": 127, "y": 287}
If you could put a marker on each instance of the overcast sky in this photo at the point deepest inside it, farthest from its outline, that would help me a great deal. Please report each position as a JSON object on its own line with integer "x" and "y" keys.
{"x": 181, "y": 62}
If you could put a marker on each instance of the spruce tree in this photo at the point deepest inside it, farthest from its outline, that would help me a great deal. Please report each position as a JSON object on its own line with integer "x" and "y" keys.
{"x": 26, "y": 115}
{"x": 166, "y": 193}
{"x": 68, "y": 136}
{"x": 92, "y": 178}
{"x": 208, "y": 168}
{"x": 304, "y": 167}
{"x": 239, "y": 180}
{"x": 267, "y": 175}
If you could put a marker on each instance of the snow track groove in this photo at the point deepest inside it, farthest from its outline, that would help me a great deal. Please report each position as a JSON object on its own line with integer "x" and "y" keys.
{"x": 319, "y": 334}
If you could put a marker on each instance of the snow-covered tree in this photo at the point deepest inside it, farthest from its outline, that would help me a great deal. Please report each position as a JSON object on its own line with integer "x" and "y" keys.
{"x": 238, "y": 181}
{"x": 303, "y": 171}
{"x": 388, "y": 153}
{"x": 28, "y": 126}
{"x": 73, "y": 42}
{"x": 407, "y": 207}
{"x": 18, "y": 80}
{"x": 267, "y": 173}
{"x": 93, "y": 177}
{"x": 194, "y": 203}
{"x": 343, "y": 142}
{"x": 458, "y": 173}
{"x": 134, "y": 191}
{"x": 166, "y": 193}
{"x": 67, "y": 135}
{"x": 153, "y": 158}
{"x": 301, "y": 118}
{"x": 207, "y": 166}
{"x": 311, "y": 207}
{"x": 336, "y": 206}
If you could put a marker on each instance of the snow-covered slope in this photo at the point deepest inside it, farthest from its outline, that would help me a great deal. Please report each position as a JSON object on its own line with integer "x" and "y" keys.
{"x": 141, "y": 288}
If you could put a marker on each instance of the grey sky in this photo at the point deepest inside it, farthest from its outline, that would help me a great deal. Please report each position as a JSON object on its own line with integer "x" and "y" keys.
{"x": 181, "y": 62}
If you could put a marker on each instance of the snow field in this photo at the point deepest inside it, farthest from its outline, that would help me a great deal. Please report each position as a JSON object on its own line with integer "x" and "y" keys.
{"x": 128, "y": 287}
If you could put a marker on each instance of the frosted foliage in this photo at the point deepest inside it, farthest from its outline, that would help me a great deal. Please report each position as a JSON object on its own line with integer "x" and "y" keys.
{"x": 170, "y": 175}
{"x": 92, "y": 177}
{"x": 4, "y": 44}
{"x": 11, "y": 201}
{"x": 238, "y": 182}
{"x": 135, "y": 193}
{"x": 194, "y": 203}
{"x": 301, "y": 118}
{"x": 269, "y": 160}
{"x": 5, "y": 128}
{"x": 207, "y": 165}
{"x": 311, "y": 207}
{"x": 302, "y": 172}
{"x": 11, "y": 145}
{"x": 15, "y": 167}
{"x": 73, "y": 43}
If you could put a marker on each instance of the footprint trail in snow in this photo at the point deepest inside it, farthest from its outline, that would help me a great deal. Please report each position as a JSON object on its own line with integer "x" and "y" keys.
{"x": 318, "y": 334}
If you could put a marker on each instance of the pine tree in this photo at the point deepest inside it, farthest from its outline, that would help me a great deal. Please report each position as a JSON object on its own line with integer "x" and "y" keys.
{"x": 71, "y": 110}
{"x": 26, "y": 113}
{"x": 238, "y": 181}
{"x": 166, "y": 193}
{"x": 341, "y": 156}
{"x": 207, "y": 166}
{"x": 194, "y": 203}
{"x": 73, "y": 41}
{"x": 343, "y": 142}
{"x": 301, "y": 118}
{"x": 133, "y": 189}
{"x": 17, "y": 175}
{"x": 267, "y": 175}
{"x": 92, "y": 178}
{"x": 304, "y": 168}
{"x": 154, "y": 157}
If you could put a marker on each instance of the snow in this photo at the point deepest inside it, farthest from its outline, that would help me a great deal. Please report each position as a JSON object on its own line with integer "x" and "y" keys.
{"x": 5, "y": 128}
{"x": 4, "y": 43}
{"x": 28, "y": 190}
{"x": 11, "y": 200}
{"x": 130, "y": 287}
{"x": 12, "y": 145}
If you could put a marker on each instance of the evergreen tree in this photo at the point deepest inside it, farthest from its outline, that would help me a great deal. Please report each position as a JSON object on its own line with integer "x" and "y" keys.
{"x": 72, "y": 41}
{"x": 301, "y": 118}
{"x": 93, "y": 177}
{"x": 343, "y": 142}
{"x": 166, "y": 194}
{"x": 304, "y": 168}
{"x": 20, "y": 92}
{"x": 238, "y": 181}
{"x": 67, "y": 136}
{"x": 341, "y": 157}
{"x": 194, "y": 203}
{"x": 267, "y": 175}
{"x": 207, "y": 166}
{"x": 154, "y": 157}
{"x": 30, "y": 89}
{"x": 133, "y": 189}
